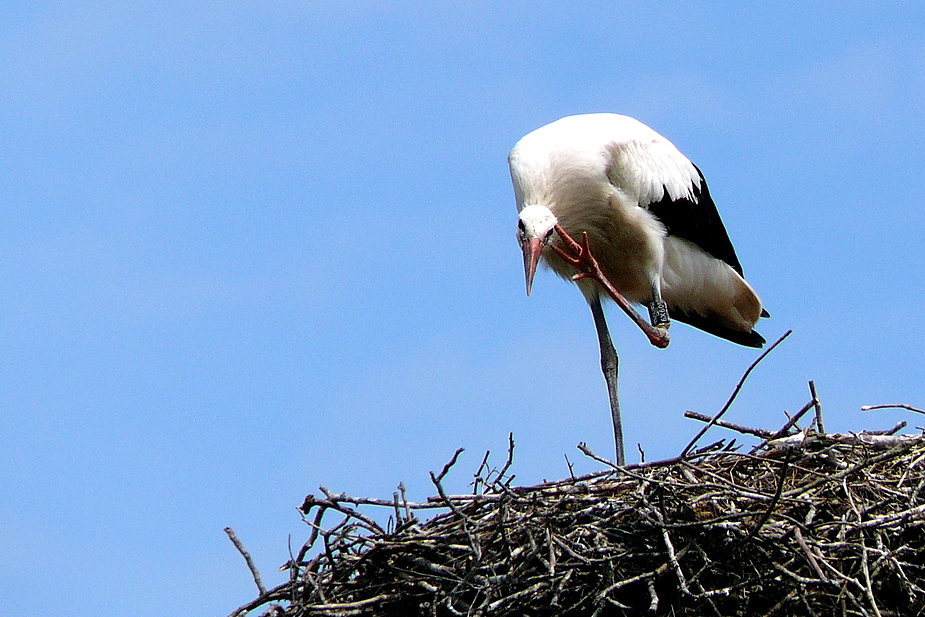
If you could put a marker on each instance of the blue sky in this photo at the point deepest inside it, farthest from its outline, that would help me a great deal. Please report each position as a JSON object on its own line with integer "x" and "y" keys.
{"x": 251, "y": 248}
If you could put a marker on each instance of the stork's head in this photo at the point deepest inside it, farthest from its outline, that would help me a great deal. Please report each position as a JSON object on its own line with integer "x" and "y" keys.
{"x": 533, "y": 232}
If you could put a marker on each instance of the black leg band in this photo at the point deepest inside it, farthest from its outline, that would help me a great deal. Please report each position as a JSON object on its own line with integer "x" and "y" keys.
{"x": 658, "y": 314}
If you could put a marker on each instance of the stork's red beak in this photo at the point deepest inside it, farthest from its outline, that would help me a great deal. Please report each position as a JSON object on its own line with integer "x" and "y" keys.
{"x": 532, "y": 248}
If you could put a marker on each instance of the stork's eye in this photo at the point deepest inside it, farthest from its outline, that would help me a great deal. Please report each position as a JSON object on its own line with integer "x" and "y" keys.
{"x": 521, "y": 230}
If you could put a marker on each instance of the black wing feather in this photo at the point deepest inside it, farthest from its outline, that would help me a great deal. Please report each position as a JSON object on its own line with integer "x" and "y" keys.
{"x": 697, "y": 220}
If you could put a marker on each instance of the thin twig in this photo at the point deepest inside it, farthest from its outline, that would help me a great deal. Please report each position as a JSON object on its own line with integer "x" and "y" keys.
{"x": 396, "y": 503}
{"x": 446, "y": 468}
{"x": 277, "y": 593}
{"x": 571, "y": 471}
{"x": 653, "y": 602}
{"x": 868, "y": 586}
{"x": 437, "y": 483}
{"x": 315, "y": 525}
{"x": 758, "y": 432}
{"x": 336, "y": 502}
{"x": 798, "y": 535}
{"x": 890, "y": 431}
{"x": 247, "y": 558}
{"x": 343, "y": 608}
{"x": 894, "y": 517}
{"x": 735, "y": 392}
{"x": 600, "y": 459}
{"x": 773, "y": 505}
{"x": 820, "y": 427}
{"x": 479, "y": 479}
{"x": 510, "y": 456}
{"x": 672, "y": 555}
{"x": 893, "y": 406}
{"x": 645, "y": 575}
{"x": 786, "y": 427}
{"x": 404, "y": 499}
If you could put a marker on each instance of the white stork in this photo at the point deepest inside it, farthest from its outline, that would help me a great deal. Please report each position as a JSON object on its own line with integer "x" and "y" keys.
{"x": 650, "y": 223}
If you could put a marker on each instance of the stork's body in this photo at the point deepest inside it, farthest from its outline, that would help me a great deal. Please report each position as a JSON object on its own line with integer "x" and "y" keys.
{"x": 650, "y": 221}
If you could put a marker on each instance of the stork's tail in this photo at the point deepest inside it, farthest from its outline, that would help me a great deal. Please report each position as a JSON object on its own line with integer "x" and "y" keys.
{"x": 716, "y": 327}
{"x": 709, "y": 294}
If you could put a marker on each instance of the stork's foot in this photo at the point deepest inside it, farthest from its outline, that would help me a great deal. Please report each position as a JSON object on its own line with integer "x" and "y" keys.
{"x": 658, "y": 335}
{"x": 658, "y": 314}
{"x": 580, "y": 257}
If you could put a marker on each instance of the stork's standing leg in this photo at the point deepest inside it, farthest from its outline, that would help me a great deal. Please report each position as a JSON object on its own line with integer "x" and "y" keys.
{"x": 609, "y": 362}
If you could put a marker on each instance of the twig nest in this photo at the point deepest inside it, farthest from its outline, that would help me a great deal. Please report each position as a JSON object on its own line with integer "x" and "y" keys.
{"x": 816, "y": 524}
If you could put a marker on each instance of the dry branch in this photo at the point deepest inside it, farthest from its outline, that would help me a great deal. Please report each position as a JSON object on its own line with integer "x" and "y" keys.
{"x": 735, "y": 392}
{"x": 247, "y": 559}
{"x": 893, "y": 406}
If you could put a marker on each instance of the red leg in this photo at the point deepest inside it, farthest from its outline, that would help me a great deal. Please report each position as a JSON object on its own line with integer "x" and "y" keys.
{"x": 579, "y": 256}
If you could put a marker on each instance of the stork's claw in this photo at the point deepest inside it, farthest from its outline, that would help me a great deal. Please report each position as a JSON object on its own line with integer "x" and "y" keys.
{"x": 580, "y": 257}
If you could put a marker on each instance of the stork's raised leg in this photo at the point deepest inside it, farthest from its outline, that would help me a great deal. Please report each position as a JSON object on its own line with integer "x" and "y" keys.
{"x": 579, "y": 255}
{"x": 609, "y": 365}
